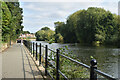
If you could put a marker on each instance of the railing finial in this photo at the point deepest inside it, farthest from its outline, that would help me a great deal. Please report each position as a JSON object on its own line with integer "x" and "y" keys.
{"x": 93, "y": 75}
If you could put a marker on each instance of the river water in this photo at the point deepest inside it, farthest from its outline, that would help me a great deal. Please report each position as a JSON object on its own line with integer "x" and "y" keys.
{"x": 108, "y": 58}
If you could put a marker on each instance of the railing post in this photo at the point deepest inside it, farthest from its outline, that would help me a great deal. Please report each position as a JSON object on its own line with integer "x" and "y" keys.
{"x": 46, "y": 63}
{"x": 27, "y": 44}
{"x": 40, "y": 54}
{"x": 33, "y": 49}
{"x": 93, "y": 75}
{"x": 36, "y": 52}
{"x": 57, "y": 64}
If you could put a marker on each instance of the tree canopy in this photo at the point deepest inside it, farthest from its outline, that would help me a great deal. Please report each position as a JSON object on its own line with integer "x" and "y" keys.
{"x": 25, "y": 32}
{"x": 45, "y": 28}
{"x": 89, "y": 26}
{"x": 94, "y": 25}
{"x": 11, "y": 21}
{"x": 46, "y": 34}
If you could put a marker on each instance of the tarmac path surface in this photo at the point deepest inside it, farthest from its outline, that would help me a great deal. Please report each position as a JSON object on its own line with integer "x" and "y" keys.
{"x": 17, "y": 64}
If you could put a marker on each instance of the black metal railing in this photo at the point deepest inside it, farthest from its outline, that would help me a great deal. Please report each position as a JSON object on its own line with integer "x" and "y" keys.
{"x": 92, "y": 68}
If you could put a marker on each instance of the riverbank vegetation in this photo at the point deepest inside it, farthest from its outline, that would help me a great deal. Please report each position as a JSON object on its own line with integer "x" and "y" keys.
{"x": 70, "y": 69}
{"x": 91, "y": 26}
{"x": 46, "y": 34}
{"x": 94, "y": 25}
{"x": 11, "y": 21}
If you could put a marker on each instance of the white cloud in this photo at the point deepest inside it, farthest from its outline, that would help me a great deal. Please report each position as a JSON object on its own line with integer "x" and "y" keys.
{"x": 40, "y": 14}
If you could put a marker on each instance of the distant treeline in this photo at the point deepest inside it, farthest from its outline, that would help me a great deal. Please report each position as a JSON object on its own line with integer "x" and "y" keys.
{"x": 11, "y": 20}
{"x": 94, "y": 25}
{"x": 26, "y": 32}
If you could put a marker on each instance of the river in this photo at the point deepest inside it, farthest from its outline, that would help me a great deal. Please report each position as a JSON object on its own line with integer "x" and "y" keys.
{"x": 108, "y": 58}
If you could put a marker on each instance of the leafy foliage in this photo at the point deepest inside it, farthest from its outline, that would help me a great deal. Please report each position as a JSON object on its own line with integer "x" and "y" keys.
{"x": 67, "y": 67}
{"x": 45, "y": 34}
{"x": 45, "y": 28}
{"x": 90, "y": 26}
{"x": 59, "y": 38}
{"x": 11, "y": 21}
{"x": 25, "y": 32}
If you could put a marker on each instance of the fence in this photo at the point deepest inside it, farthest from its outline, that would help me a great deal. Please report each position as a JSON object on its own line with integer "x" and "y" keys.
{"x": 93, "y": 68}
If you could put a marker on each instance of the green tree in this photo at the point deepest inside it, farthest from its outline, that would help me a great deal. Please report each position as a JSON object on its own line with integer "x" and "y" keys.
{"x": 45, "y": 34}
{"x": 45, "y": 28}
{"x": 90, "y": 26}
{"x": 11, "y": 21}
{"x": 6, "y": 18}
{"x": 71, "y": 25}
{"x": 25, "y": 32}
{"x": 40, "y": 35}
{"x": 98, "y": 23}
{"x": 16, "y": 21}
{"x": 59, "y": 38}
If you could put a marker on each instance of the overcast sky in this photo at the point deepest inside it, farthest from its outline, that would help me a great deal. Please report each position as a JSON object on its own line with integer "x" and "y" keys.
{"x": 38, "y": 14}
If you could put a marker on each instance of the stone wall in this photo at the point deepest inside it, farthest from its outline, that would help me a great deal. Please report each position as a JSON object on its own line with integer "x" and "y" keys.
{"x": 5, "y": 46}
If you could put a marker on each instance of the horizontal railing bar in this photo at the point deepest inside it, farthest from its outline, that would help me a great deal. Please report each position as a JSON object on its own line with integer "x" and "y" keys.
{"x": 104, "y": 74}
{"x": 50, "y": 75}
{"x": 59, "y": 71}
{"x": 63, "y": 75}
{"x": 52, "y": 64}
{"x": 51, "y": 50}
{"x": 84, "y": 65}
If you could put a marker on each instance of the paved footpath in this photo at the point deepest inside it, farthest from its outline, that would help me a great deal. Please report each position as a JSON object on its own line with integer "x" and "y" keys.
{"x": 17, "y": 63}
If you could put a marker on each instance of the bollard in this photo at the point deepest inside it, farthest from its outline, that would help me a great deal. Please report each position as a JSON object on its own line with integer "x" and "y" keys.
{"x": 57, "y": 64}
{"x": 93, "y": 75}
{"x": 33, "y": 49}
{"x": 36, "y": 52}
{"x": 40, "y": 54}
{"x": 46, "y": 64}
